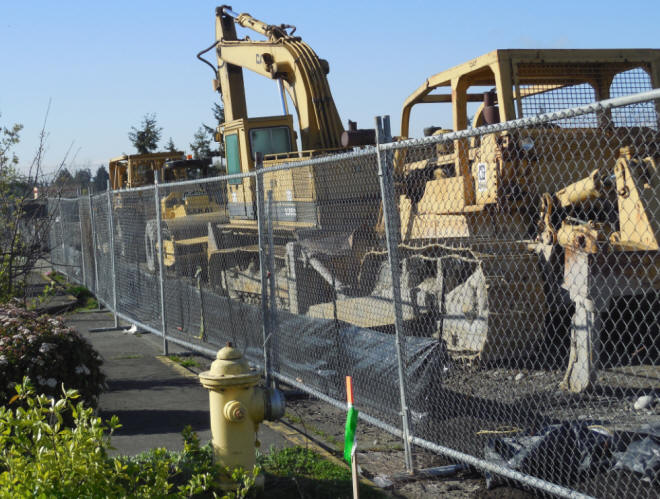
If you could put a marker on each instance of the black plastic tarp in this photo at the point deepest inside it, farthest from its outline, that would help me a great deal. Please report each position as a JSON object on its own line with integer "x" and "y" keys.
{"x": 321, "y": 353}
{"x": 565, "y": 453}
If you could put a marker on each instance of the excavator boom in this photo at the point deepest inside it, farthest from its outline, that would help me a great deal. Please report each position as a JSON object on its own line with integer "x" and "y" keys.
{"x": 281, "y": 57}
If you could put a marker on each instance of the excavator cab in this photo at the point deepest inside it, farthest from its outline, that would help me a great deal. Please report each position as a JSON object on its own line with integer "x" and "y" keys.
{"x": 300, "y": 74}
{"x": 272, "y": 136}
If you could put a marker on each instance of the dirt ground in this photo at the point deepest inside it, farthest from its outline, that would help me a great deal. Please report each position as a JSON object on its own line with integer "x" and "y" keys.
{"x": 381, "y": 456}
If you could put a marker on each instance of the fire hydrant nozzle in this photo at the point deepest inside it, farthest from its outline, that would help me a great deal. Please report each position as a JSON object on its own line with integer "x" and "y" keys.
{"x": 234, "y": 411}
{"x": 237, "y": 406}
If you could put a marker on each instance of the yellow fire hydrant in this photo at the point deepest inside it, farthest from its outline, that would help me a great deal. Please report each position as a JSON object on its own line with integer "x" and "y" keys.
{"x": 237, "y": 406}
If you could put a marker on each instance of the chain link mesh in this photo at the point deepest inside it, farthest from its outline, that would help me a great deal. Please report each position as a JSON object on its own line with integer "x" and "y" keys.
{"x": 334, "y": 298}
{"x": 55, "y": 234}
{"x": 89, "y": 253}
{"x": 529, "y": 292}
{"x": 65, "y": 237}
{"x": 138, "y": 294}
{"x": 533, "y": 259}
{"x": 103, "y": 247}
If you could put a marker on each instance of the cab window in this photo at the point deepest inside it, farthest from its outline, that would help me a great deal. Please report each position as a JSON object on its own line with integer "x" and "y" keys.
{"x": 271, "y": 140}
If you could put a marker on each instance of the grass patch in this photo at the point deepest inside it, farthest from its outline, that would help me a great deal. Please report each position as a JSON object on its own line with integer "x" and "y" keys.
{"x": 331, "y": 439}
{"x": 57, "y": 277}
{"x": 86, "y": 300}
{"x": 292, "y": 418}
{"x": 185, "y": 362}
{"x": 300, "y": 472}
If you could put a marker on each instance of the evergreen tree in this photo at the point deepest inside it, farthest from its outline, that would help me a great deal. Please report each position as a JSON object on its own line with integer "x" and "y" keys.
{"x": 100, "y": 180}
{"x": 219, "y": 115}
{"x": 82, "y": 178}
{"x": 170, "y": 147}
{"x": 201, "y": 145}
{"x": 63, "y": 178}
{"x": 145, "y": 139}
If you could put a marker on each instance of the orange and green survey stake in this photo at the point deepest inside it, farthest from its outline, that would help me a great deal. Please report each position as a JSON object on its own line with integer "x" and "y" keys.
{"x": 351, "y": 422}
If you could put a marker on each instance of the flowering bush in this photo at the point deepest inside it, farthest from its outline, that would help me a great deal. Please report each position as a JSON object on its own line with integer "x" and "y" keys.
{"x": 47, "y": 351}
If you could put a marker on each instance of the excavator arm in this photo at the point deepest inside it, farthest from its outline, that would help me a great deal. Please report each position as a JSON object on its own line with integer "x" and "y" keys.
{"x": 281, "y": 57}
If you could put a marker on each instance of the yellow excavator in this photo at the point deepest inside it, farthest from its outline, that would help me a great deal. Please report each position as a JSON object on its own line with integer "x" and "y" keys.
{"x": 303, "y": 200}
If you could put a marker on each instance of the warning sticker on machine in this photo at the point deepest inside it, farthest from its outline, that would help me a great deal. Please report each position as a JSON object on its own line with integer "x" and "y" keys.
{"x": 482, "y": 185}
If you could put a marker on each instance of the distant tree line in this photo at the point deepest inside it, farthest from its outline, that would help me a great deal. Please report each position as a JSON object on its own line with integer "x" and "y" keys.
{"x": 145, "y": 137}
{"x": 82, "y": 180}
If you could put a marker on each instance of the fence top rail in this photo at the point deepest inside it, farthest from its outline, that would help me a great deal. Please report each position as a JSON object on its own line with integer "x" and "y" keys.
{"x": 61, "y": 198}
{"x": 527, "y": 122}
{"x": 365, "y": 151}
{"x": 358, "y": 153}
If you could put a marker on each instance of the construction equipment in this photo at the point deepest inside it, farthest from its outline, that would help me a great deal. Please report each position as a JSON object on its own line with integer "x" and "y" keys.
{"x": 469, "y": 221}
{"x": 135, "y": 170}
{"x": 477, "y": 269}
{"x": 185, "y": 213}
{"x": 606, "y": 260}
{"x": 303, "y": 200}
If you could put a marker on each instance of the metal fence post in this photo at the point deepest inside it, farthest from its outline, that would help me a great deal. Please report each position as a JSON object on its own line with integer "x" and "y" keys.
{"x": 63, "y": 252}
{"x": 96, "y": 265}
{"x": 161, "y": 282}
{"x": 82, "y": 244}
{"x": 391, "y": 218}
{"x": 272, "y": 318}
{"x": 258, "y": 165}
{"x": 112, "y": 254}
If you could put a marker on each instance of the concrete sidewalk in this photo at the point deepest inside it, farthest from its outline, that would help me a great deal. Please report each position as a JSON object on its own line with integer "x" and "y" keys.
{"x": 153, "y": 398}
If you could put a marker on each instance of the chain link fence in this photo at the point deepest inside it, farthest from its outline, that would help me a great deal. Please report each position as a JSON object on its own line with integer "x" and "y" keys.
{"x": 493, "y": 292}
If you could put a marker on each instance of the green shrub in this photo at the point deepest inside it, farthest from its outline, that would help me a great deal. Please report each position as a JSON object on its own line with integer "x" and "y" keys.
{"x": 42, "y": 457}
{"x": 86, "y": 300}
{"x": 49, "y": 352}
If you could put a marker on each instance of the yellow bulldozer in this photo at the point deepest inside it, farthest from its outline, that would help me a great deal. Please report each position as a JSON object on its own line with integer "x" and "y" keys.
{"x": 511, "y": 221}
{"x": 505, "y": 236}
{"x": 185, "y": 212}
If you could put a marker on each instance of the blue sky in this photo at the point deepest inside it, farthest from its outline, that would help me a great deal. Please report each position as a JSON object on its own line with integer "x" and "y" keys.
{"x": 103, "y": 65}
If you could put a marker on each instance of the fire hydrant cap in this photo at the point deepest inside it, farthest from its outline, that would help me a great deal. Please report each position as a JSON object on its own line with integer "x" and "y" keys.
{"x": 229, "y": 368}
{"x": 230, "y": 361}
{"x": 229, "y": 353}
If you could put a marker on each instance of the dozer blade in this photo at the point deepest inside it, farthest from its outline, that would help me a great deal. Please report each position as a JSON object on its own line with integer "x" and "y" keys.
{"x": 492, "y": 309}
